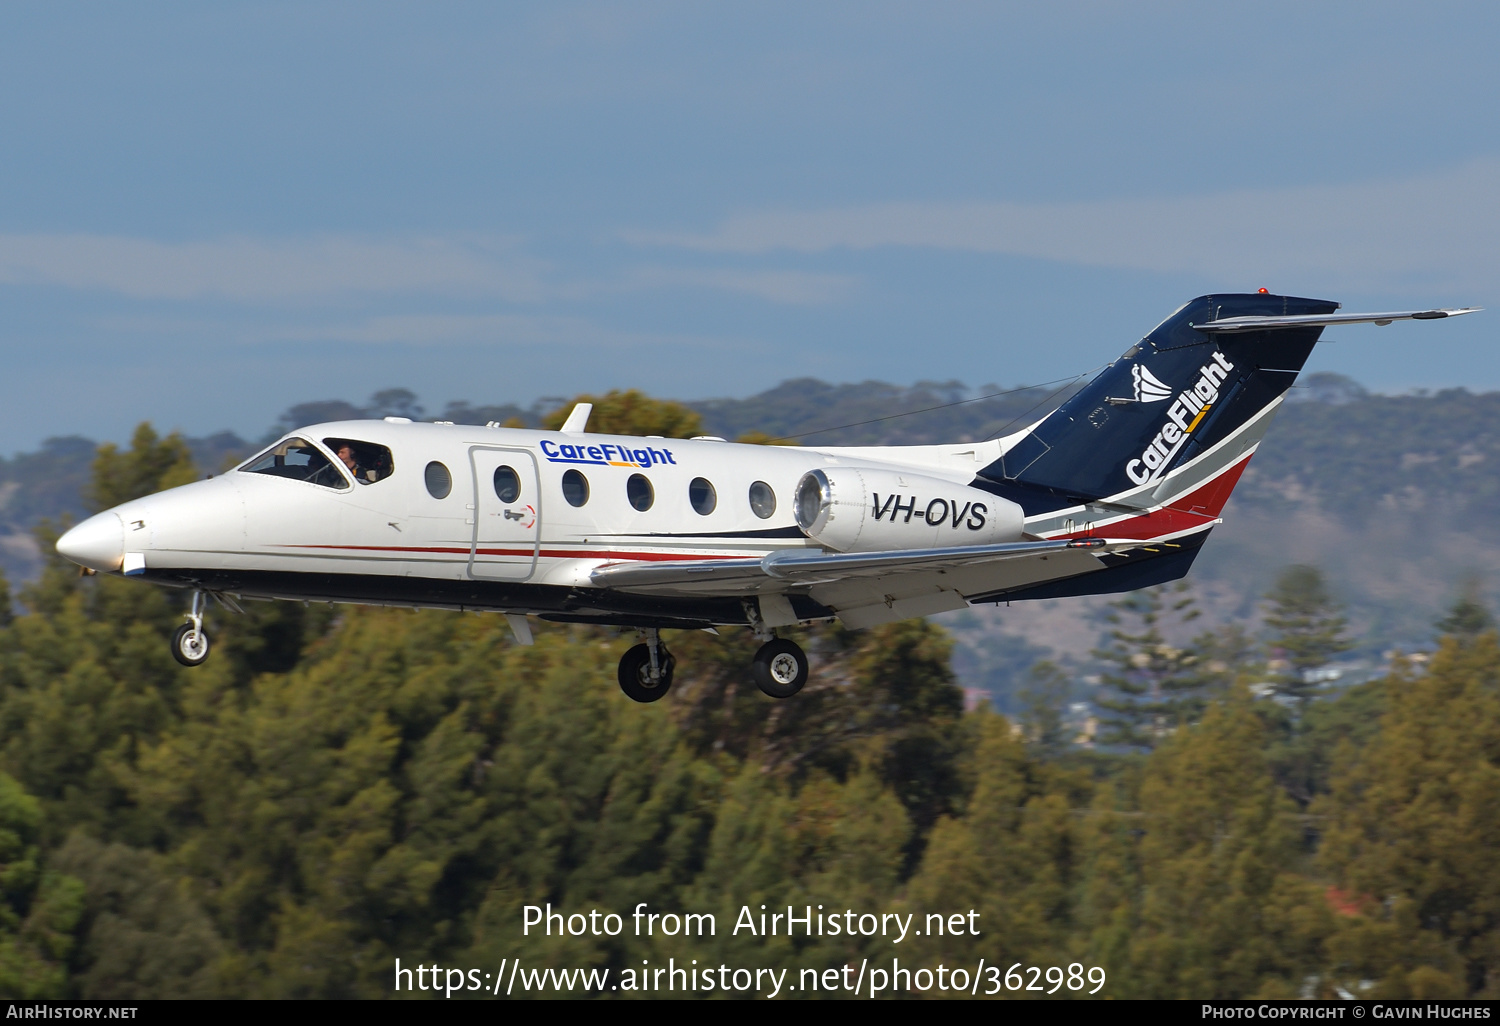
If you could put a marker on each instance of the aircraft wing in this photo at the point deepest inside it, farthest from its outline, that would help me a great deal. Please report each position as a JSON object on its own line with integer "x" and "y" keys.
{"x": 802, "y": 568}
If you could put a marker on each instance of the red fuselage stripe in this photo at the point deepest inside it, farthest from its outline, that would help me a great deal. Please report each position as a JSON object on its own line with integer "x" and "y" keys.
{"x": 544, "y": 553}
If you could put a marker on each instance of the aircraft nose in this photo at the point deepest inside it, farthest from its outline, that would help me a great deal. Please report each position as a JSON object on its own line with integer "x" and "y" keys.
{"x": 98, "y": 543}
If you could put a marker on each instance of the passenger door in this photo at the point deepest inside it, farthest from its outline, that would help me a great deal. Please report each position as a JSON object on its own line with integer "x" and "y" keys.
{"x": 507, "y": 514}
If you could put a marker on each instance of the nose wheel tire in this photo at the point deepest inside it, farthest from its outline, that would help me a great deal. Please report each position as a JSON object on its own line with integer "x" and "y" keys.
{"x": 190, "y": 645}
{"x": 780, "y": 668}
{"x": 635, "y": 673}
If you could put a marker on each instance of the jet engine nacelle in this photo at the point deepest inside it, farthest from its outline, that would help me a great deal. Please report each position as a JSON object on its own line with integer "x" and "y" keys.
{"x": 852, "y": 509}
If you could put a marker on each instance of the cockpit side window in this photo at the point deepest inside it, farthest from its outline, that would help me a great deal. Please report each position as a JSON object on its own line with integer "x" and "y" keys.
{"x": 367, "y": 462}
{"x": 298, "y": 459}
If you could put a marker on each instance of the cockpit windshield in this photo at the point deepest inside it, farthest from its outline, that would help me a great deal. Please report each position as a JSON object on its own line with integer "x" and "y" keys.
{"x": 299, "y": 460}
{"x": 366, "y": 461}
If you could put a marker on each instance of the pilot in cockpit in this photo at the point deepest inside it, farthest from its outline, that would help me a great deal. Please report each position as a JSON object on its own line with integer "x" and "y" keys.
{"x": 351, "y": 460}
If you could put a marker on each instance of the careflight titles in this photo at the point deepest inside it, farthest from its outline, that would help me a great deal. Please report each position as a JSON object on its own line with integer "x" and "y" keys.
{"x": 606, "y": 454}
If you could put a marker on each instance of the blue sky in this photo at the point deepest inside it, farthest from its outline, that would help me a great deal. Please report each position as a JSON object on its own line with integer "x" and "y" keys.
{"x": 211, "y": 212}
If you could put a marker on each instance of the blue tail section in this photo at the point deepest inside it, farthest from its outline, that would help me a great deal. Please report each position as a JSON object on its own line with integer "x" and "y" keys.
{"x": 1174, "y": 394}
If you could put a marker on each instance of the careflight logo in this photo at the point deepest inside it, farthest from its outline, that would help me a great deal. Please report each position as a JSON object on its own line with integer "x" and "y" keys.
{"x": 1183, "y": 417}
{"x": 605, "y": 455}
{"x": 1148, "y": 388}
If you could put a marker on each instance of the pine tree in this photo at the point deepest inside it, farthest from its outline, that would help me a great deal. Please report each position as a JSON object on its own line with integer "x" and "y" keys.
{"x": 1221, "y": 910}
{"x": 1226, "y": 654}
{"x": 1412, "y": 836}
{"x": 1304, "y": 626}
{"x": 39, "y": 910}
{"x": 1152, "y": 686}
{"x": 1468, "y": 617}
{"x": 1012, "y": 857}
{"x": 145, "y": 937}
{"x": 7, "y": 608}
{"x": 905, "y": 698}
{"x": 151, "y": 464}
{"x": 1044, "y": 702}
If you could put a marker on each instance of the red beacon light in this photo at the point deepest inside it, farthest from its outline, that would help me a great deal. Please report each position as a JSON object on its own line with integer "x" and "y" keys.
{"x": 1264, "y": 292}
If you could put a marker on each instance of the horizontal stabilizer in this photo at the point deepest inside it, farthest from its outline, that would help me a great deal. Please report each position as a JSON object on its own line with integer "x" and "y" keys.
{"x": 1324, "y": 320}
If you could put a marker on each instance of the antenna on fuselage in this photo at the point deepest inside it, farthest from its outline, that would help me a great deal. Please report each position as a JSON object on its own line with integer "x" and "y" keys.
{"x": 578, "y": 419}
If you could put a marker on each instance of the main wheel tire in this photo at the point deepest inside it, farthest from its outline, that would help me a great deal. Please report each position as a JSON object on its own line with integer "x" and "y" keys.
{"x": 635, "y": 673}
{"x": 780, "y": 668}
{"x": 189, "y": 646}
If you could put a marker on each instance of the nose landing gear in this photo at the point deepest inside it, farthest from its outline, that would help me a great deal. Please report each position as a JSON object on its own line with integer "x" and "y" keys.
{"x": 646, "y": 669}
{"x": 189, "y": 642}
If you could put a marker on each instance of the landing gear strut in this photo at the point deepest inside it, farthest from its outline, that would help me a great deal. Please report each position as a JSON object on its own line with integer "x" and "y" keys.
{"x": 646, "y": 669}
{"x": 190, "y": 643}
{"x": 780, "y": 666}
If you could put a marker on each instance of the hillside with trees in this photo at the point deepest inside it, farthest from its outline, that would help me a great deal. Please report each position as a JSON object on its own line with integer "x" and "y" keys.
{"x": 1391, "y": 497}
{"x": 341, "y": 787}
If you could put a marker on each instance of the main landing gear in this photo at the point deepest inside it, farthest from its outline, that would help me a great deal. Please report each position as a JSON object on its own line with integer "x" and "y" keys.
{"x": 779, "y": 667}
{"x": 190, "y": 643}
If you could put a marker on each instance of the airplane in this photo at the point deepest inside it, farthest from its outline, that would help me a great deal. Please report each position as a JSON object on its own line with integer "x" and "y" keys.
{"x": 1116, "y": 489}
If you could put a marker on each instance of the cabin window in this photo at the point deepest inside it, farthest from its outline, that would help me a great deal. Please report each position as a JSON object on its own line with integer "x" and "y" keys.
{"x": 439, "y": 481}
{"x": 367, "y": 462}
{"x": 762, "y": 500}
{"x": 640, "y": 492}
{"x": 702, "y": 495}
{"x": 575, "y": 488}
{"x": 507, "y": 484}
{"x": 299, "y": 460}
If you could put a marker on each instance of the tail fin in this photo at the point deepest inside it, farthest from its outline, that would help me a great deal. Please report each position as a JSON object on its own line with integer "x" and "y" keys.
{"x": 1181, "y": 392}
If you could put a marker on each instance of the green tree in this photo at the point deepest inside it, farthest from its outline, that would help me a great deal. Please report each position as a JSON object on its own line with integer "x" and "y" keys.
{"x": 1468, "y": 617}
{"x": 839, "y": 845}
{"x": 7, "y": 606}
{"x": 631, "y": 413}
{"x": 1303, "y": 748}
{"x": 1227, "y": 654}
{"x": 86, "y": 679}
{"x": 143, "y": 935}
{"x": 1412, "y": 833}
{"x": 39, "y": 910}
{"x": 1221, "y": 911}
{"x": 1011, "y": 857}
{"x": 1151, "y": 686}
{"x": 394, "y": 402}
{"x": 904, "y": 696}
{"x": 1044, "y": 701}
{"x": 151, "y": 464}
{"x": 884, "y": 698}
{"x": 1303, "y": 625}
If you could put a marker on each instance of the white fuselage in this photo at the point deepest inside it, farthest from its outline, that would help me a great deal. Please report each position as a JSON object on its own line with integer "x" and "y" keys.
{"x": 248, "y": 533}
